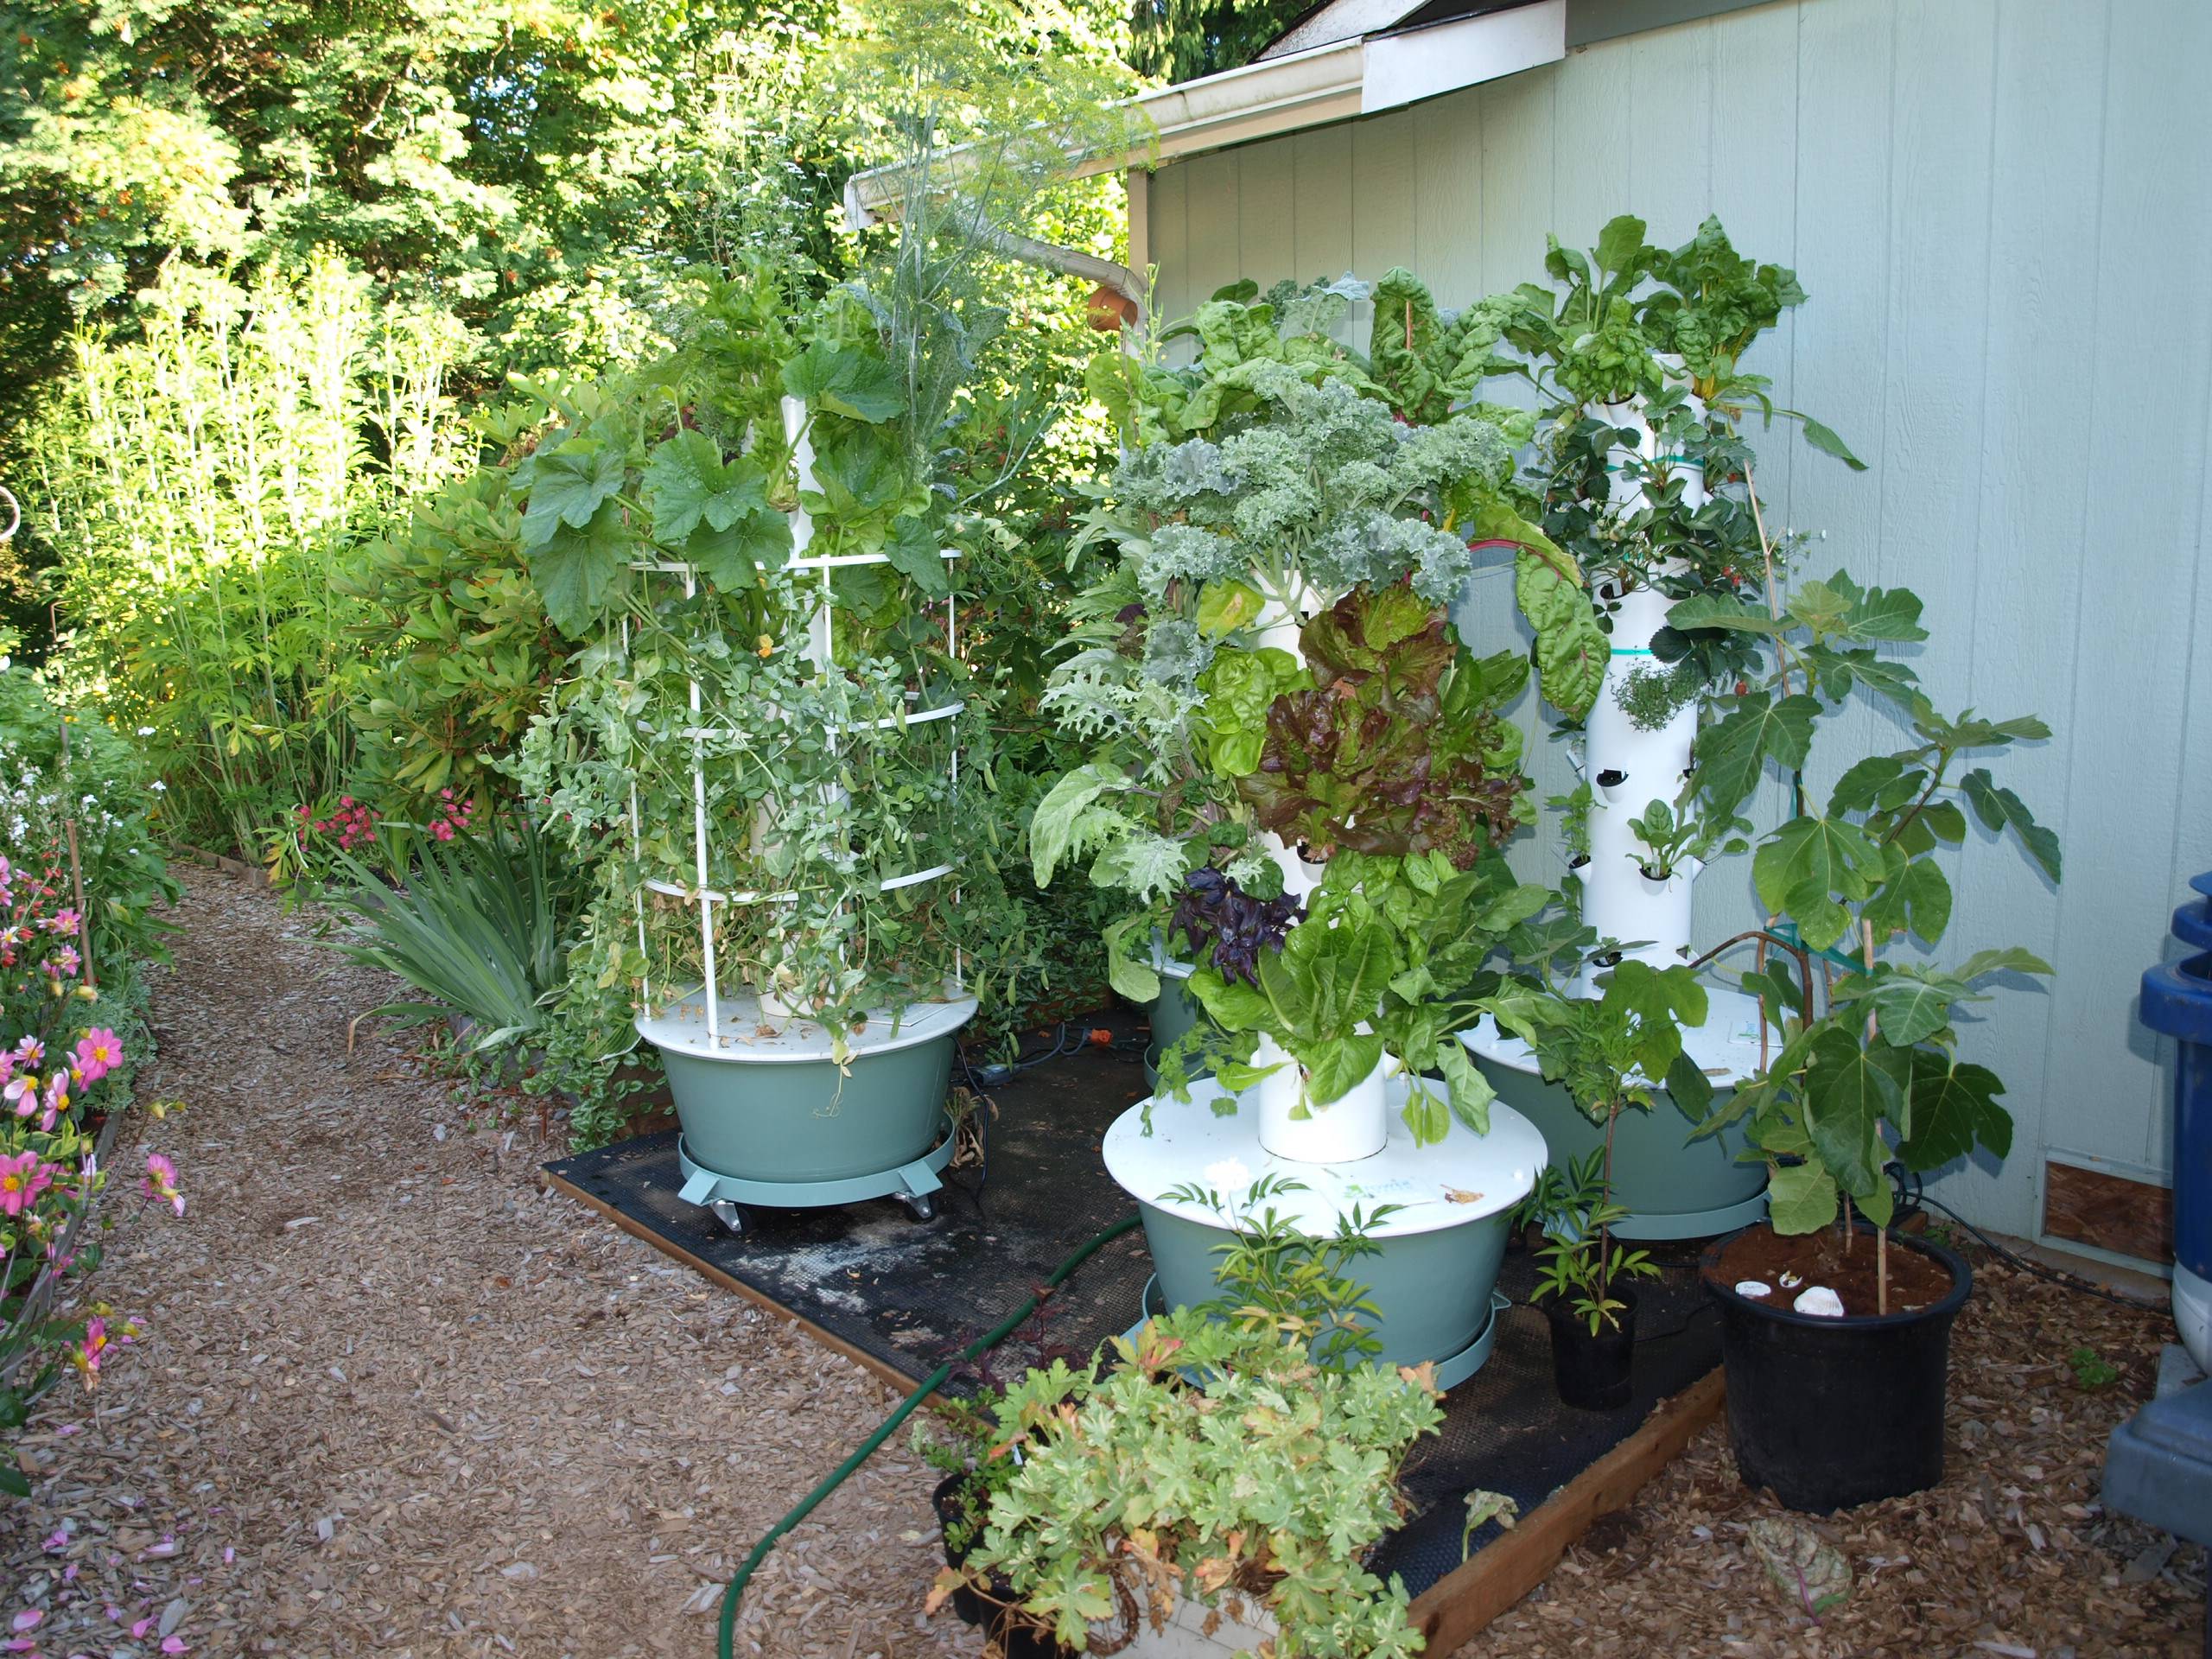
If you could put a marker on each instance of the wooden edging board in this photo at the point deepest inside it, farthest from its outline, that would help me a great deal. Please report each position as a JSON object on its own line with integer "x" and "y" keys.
{"x": 1453, "y": 1610}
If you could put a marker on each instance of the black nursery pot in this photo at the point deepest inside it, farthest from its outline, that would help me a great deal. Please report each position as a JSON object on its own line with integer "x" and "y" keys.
{"x": 1592, "y": 1373}
{"x": 998, "y": 1621}
{"x": 1830, "y": 1414}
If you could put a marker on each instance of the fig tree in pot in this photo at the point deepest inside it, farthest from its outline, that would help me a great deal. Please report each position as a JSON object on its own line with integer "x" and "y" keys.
{"x": 1835, "y": 1330}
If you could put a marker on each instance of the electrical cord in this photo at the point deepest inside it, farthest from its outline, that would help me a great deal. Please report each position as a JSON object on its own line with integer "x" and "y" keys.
{"x": 1913, "y": 1197}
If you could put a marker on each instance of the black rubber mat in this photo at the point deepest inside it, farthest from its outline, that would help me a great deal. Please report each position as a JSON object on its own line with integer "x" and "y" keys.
{"x": 914, "y": 1293}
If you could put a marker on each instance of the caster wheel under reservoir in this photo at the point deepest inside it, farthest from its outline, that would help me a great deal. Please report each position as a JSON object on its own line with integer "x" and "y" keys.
{"x": 922, "y": 1205}
{"x": 732, "y": 1218}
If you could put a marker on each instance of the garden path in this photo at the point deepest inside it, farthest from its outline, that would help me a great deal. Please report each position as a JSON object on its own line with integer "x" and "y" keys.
{"x": 395, "y": 1398}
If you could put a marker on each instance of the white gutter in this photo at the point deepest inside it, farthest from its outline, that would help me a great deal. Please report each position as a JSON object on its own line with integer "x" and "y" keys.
{"x": 1314, "y": 88}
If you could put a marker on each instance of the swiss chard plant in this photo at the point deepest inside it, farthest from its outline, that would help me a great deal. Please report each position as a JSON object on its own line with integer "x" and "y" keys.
{"x": 1635, "y": 334}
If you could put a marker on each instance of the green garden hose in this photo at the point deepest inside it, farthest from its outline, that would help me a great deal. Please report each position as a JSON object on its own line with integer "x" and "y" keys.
{"x": 1005, "y": 1328}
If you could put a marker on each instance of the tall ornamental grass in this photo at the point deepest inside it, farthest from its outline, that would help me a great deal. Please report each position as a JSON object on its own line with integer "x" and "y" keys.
{"x": 203, "y": 480}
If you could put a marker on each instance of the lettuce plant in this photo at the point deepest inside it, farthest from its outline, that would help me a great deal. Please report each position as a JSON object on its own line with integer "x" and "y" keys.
{"x": 1398, "y": 746}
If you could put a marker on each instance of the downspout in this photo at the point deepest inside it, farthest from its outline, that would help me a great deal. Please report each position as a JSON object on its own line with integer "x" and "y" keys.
{"x": 1073, "y": 262}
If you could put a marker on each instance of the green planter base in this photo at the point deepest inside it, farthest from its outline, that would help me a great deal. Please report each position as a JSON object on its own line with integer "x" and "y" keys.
{"x": 1450, "y": 1372}
{"x": 769, "y": 1118}
{"x": 1672, "y": 1187}
{"x": 1438, "y": 1255}
{"x": 912, "y": 1182}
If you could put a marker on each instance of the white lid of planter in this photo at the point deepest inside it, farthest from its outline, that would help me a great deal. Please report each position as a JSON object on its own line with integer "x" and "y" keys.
{"x": 1727, "y": 1047}
{"x": 1461, "y": 1179}
{"x": 682, "y": 1026}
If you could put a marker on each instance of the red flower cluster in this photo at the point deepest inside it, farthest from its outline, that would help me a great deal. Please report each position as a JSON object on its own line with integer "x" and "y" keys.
{"x": 453, "y": 816}
{"x": 355, "y": 825}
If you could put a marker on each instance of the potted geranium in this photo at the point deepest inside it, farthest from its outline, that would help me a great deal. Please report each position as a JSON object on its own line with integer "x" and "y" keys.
{"x": 1285, "y": 1479}
{"x": 1835, "y": 1330}
{"x": 1301, "y": 780}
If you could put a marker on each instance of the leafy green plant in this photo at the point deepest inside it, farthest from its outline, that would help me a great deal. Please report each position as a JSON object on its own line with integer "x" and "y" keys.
{"x": 1274, "y": 1278}
{"x": 1398, "y": 746}
{"x": 2092, "y": 1370}
{"x": 480, "y": 930}
{"x": 1615, "y": 1050}
{"x": 1271, "y": 487}
{"x": 1581, "y": 1262}
{"x": 1284, "y": 1477}
{"x": 1868, "y": 1071}
{"x": 1662, "y": 331}
{"x": 1669, "y": 838}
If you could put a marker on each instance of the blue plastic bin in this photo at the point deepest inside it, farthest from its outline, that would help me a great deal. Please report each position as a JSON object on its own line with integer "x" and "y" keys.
{"x": 2177, "y": 1001}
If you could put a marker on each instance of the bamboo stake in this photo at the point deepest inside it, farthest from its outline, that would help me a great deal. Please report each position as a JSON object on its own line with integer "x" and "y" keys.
{"x": 1881, "y": 1234}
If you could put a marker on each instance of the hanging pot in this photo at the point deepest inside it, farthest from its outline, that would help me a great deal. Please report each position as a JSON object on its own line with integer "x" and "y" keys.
{"x": 1592, "y": 1372}
{"x": 1832, "y": 1413}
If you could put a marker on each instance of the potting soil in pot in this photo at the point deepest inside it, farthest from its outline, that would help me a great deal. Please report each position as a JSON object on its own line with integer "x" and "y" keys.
{"x": 1789, "y": 1265}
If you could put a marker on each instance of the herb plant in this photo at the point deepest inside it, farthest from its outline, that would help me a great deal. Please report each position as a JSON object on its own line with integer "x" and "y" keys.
{"x": 1213, "y": 1460}
{"x": 1275, "y": 1279}
{"x": 1581, "y": 1262}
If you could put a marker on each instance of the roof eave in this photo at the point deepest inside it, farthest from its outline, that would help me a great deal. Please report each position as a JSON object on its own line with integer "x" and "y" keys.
{"x": 1316, "y": 87}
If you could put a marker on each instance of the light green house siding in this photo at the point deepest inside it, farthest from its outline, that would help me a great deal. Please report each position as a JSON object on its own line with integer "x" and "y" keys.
{"x": 2003, "y": 212}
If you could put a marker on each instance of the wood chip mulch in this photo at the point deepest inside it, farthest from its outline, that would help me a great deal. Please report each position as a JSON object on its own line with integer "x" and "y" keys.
{"x": 396, "y": 1398}
{"x": 2013, "y": 1557}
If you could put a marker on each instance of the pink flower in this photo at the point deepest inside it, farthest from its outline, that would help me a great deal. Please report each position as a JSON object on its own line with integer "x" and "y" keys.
{"x": 87, "y": 1355}
{"x": 66, "y": 963}
{"x": 57, "y": 1100}
{"x": 31, "y": 1053}
{"x": 62, "y": 921}
{"x": 23, "y": 1178}
{"x": 21, "y": 1093}
{"x": 160, "y": 1181}
{"x": 100, "y": 1050}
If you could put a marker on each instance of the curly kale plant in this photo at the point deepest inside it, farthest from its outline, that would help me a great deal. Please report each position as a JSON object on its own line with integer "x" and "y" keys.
{"x": 1398, "y": 748}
